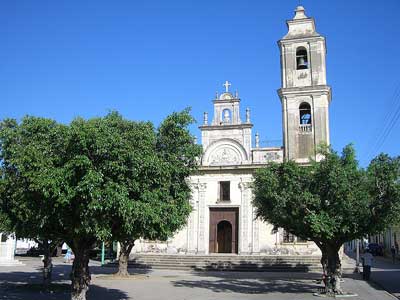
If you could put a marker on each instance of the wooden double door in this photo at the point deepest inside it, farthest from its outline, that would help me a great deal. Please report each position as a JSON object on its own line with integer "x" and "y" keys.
{"x": 224, "y": 230}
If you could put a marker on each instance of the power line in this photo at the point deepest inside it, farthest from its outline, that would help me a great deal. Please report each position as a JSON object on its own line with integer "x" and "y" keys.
{"x": 391, "y": 117}
{"x": 389, "y": 129}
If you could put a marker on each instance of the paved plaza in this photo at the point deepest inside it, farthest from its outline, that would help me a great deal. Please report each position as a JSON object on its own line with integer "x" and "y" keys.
{"x": 23, "y": 282}
{"x": 387, "y": 275}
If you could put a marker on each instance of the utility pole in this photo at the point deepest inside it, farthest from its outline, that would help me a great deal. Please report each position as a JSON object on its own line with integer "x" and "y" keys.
{"x": 357, "y": 270}
{"x": 102, "y": 253}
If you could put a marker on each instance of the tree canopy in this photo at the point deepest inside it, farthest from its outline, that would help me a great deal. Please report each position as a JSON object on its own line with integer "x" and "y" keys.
{"x": 30, "y": 153}
{"x": 98, "y": 179}
{"x": 331, "y": 201}
{"x": 153, "y": 193}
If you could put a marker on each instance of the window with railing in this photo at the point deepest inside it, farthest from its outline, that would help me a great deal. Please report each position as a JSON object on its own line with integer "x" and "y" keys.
{"x": 305, "y": 118}
{"x": 288, "y": 237}
{"x": 291, "y": 238}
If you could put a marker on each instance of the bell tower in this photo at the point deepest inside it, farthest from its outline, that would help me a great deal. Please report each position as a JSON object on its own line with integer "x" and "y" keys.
{"x": 304, "y": 94}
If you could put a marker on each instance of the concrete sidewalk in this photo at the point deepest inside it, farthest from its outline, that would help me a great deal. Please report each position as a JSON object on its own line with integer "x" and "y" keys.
{"x": 384, "y": 273}
{"x": 177, "y": 285}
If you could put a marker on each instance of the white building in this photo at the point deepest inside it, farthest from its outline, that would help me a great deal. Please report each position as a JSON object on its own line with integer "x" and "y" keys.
{"x": 7, "y": 249}
{"x": 223, "y": 218}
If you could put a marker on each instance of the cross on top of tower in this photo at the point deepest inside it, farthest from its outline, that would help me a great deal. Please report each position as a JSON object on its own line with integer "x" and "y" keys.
{"x": 227, "y": 84}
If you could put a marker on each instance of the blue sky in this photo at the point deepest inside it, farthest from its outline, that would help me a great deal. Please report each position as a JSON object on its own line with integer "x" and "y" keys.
{"x": 62, "y": 59}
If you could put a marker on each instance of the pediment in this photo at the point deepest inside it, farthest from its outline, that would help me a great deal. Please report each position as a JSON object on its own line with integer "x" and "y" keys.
{"x": 223, "y": 153}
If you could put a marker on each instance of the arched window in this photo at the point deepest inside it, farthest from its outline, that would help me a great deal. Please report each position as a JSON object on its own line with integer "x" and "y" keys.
{"x": 226, "y": 116}
{"x": 301, "y": 58}
{"x": 305, "y": 114}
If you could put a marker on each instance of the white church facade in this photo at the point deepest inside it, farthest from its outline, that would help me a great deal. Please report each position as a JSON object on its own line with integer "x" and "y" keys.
{"x": 223, "y": 218}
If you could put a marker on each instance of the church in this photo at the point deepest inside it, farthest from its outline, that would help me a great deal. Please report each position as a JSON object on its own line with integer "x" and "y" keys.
{"x": 223, "y": 218}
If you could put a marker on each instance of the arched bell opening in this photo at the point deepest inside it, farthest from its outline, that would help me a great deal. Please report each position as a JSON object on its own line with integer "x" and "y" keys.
{"x": 301, "y": 58}
{"x": 305, "y": 113}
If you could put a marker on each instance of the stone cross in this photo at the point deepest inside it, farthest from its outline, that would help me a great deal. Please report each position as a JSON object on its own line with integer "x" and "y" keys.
{"x": 227, "y": 84}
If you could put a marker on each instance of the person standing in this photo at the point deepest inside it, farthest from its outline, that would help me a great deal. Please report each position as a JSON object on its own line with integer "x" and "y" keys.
{"x": 367, "y": 264}
{"x": 393, "y": 251}
{"x": 67, "y": 257}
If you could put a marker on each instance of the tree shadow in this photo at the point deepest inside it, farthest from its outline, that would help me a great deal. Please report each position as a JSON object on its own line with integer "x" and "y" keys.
{"x": 383, "y": 274}
{"x": 56, "y": 290}
{"x": 311, "y": 276}
{"x": 61, "y": 271}
{"x": 264, "y": 265}
{"x": 27, "y": 283}
{"x": 251, "y": 286}
{"x": 257, "y": 264}
{"x": 375, "y": 281}
{"x": 254, "y": 282}
{"x": 18, "y": 285}
{"x": 109, "y": 270}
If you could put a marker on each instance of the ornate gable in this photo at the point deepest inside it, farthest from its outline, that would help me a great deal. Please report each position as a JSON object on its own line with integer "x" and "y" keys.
{"x": 225, "y": 152}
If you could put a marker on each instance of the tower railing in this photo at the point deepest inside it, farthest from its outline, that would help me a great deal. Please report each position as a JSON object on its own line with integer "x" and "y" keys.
{"x": 305, "y": 128}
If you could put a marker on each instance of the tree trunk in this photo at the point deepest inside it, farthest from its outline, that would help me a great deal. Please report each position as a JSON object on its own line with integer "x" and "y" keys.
{"x": 324, "y": 263}
{"x": 334, "y": 269}
{"x": 123, "y": 258}
{"x": 80, "y": 275}
{"x": 47, "y": 261}
{"x": 59, "y": 251}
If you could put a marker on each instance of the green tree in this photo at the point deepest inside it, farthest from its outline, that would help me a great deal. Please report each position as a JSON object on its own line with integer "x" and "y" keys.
{"x": 153, "y": 175}
{"x": 97, "y": 179}
{"x": 330, "y": 202}
{"x": 104, "y": 156}
{"x": 29, "y": 153}
{"x": 5, "y": 224}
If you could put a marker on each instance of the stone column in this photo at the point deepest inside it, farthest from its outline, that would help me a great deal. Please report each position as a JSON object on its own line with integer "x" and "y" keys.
{"x": 245, "y": 218}
{"x": 201, "y": 249}
{"x": 191, "y": 226}
{"x": 255, "y": 232}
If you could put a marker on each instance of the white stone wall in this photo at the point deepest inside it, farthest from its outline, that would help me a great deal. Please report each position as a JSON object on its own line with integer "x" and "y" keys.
{"x": 266, "y": 155}
{"x": 7, "y": 247}
{"x": 254, "y": 236}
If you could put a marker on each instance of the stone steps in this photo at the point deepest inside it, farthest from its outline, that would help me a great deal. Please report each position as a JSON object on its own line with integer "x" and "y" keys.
{"x": 226, "y": 263}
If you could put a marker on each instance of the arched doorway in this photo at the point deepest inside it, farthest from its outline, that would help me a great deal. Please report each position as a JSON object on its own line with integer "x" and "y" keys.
{"x": 224, "y": 237}
{"x": 223, "y": 230}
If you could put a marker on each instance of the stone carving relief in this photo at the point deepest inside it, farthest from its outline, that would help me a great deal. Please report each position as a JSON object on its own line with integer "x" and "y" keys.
{"x": 224, "y": 152}
{"x": 224, "y": 156}
{"x": 270, "y": 156}
{"x": 302, "y": 75}
{"x": 262, "y": 156}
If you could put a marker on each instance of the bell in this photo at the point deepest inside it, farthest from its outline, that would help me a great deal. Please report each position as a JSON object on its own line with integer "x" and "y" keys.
{"x": 302, "y": 64}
